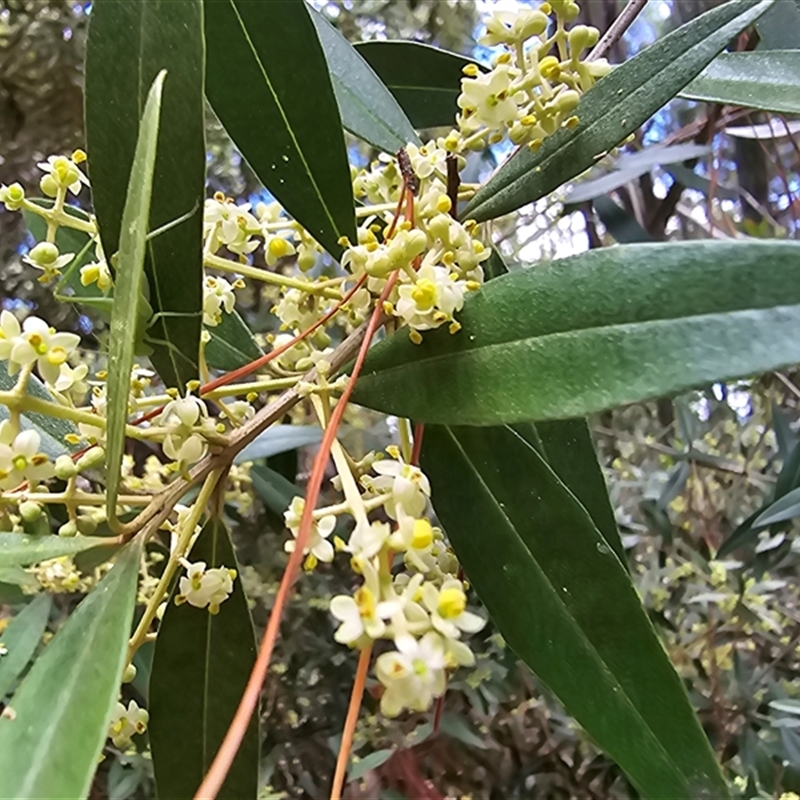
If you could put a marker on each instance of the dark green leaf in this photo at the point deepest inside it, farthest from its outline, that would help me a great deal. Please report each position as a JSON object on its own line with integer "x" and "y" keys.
{"x": 52, "y": 430}
{"x": 766, "y": 79}
{"x": 619, "y": 223}
{"x": 368, "y": 108}
{"x": 359, "y": 767}
{"x": 200, "y": 669}
{"x": 128, "y": 289}
{"x": 425, "y": 80}
{"x": 268, "y": 82}
{"x": 567, "y": 607}
{"x": 275, "y": 491}
{"x": 19, "y": 549}
{"x": 50, "y": 745}
{"x": 130, "y": 42}
{"x": 691, "y": 180}
{"x": 779, "y": 28}
{"x": 232, "y": 344}
{"x": 612, "y": 326}
{"x": 567, "y": 445}
{"x": 279, "y": 439}
{"x": 789, "y": 476}
{"x": 614, "y": 108}
{"x": 21, "y": 638}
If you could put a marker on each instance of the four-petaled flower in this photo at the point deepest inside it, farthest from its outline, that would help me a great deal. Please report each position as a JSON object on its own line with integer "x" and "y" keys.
{"x": 202, "y": 587}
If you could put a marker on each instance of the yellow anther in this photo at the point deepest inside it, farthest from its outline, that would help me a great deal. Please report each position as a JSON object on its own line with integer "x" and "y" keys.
{"x": 365, "y": 600}
{"x": 571, "y": 122}
{"x": 415, "y": 336}
{"x": 535, "y": 145}
{"x": 78, "y": 156}
{"x": 394, "y": 451}
{"x": 310, "y": 564}
{"x": 422, "y": 535}
{"x": 452, "y": 602}
{"x": 443, "y": 204}
{"x": 343, "y": 241}
{"x": 471, "y": 70}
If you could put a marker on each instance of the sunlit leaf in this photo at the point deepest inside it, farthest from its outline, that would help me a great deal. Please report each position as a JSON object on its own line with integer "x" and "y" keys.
{"x": 21, "y": 638}
{"x": 20, "y": 549}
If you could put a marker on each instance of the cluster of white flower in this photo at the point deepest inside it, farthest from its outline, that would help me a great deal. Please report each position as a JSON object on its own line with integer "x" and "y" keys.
{"x": 421, "y": 608}
{"x": 20, "y": 459}
{"x": 529, "y": 93}
{"x": 202, "y": 587}
{"x": 437, "y": 258}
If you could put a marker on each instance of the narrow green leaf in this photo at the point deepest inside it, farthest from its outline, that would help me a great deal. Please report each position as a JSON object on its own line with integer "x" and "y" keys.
{"x": 20, "y": 549}
{"x": 232, "y": 344}
{"x": 279, "y": 439}
{"x": 615, "y": 108}
{"x": 50, "y": 744}
{"x": 425, "y": 80}
{"x": 20, "y": 640}
{"x": 765, "y": 79}
{"x": 129, "y": 43}
{"x": 128, "y": 289}
{"x": 567, "y": 445}
{"x": 52, "y": 430}
{"x": 785, "y": 508}
{"x": 785, "y": 437}
{"x": 200, "y": 669}
{"x": 263, "y": 59}
{"x": 594, "y": 331}
{"x": 567, "y": 607}
{"x": 368, "y": 108}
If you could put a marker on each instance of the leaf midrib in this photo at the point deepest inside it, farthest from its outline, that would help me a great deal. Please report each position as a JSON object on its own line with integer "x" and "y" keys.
{"x": 560, "y": 603}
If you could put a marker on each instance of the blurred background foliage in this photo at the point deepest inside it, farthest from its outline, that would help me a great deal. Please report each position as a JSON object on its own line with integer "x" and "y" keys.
{"x": 684, "y": 474}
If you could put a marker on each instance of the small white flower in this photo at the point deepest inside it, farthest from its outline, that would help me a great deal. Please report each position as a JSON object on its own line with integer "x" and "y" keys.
{"x": 513, "y": 27}
{"x": 276, "y": 248}
{"x": 413, "y": 675}
{"x": 71, "y": 381}
{"x": 20, "y": 459}
{"x": 126, "y": 722}
{"x": 487, "y": 99}
{"x": 368, "y": 539}
{"x": 409, "y": 486}
{"x": 217, "y": 295}
{"x": 34, "y": 342}
{"x": 98, "y": 271}
{"x": 318, "y": 543}
{"x": 46, "y": 257}
{"x": 202, "y": 587}
{"x": 447, "y": 607}
{"x": 186, "y": 419}
{"x": 362, "y": 616}
{"x": 433, "y": 299}
{"x": 225, "y": 223}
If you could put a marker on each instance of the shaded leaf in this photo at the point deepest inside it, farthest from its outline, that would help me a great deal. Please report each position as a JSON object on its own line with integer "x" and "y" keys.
{"x": 200, "y": 669}
{"x": 567, "y": 607}
{"x": 785, "y": 437}
{"x": 633, "y": 322}
{"x": 128, "y": 289}
{"x": 21, "y": 638}
{"x": 765, "y": 79}
{"x": 52, "y": 430}
{"x": 293, "y": 144}
{"x": 779, "y": 28}
{"x": 275, "y": 491}
{"x": 232, "y": 344}
{"x": 19, "y": 549}
{"x": 614, "y": 108}
{"x": 425, "y": 80}
{"x": 129, "y": 43}
{"x": 368, "y": 108}
{"x": 279, "y": 439}
{"x": 619, "y": 223}
{"x": 63, "y": 706}
{"x": 359, "y": 767}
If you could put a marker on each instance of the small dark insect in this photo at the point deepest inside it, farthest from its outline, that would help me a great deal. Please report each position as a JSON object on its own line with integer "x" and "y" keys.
{"x": 407, "y": 171}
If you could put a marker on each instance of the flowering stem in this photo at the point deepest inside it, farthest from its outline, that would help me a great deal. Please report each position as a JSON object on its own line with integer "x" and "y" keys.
{"x": 226, "y": 265}
{"x": 184, "y": 540}
{"x": 350, "y": 722}
{"x": 60, "y": 219}
{"x": 230, "y": 745}
{"x": 77, "y": 498}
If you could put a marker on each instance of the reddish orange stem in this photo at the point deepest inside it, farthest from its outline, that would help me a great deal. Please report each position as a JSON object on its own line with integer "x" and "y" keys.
{"x": 416, "y": 450}
{"x": 350, "y": 722}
